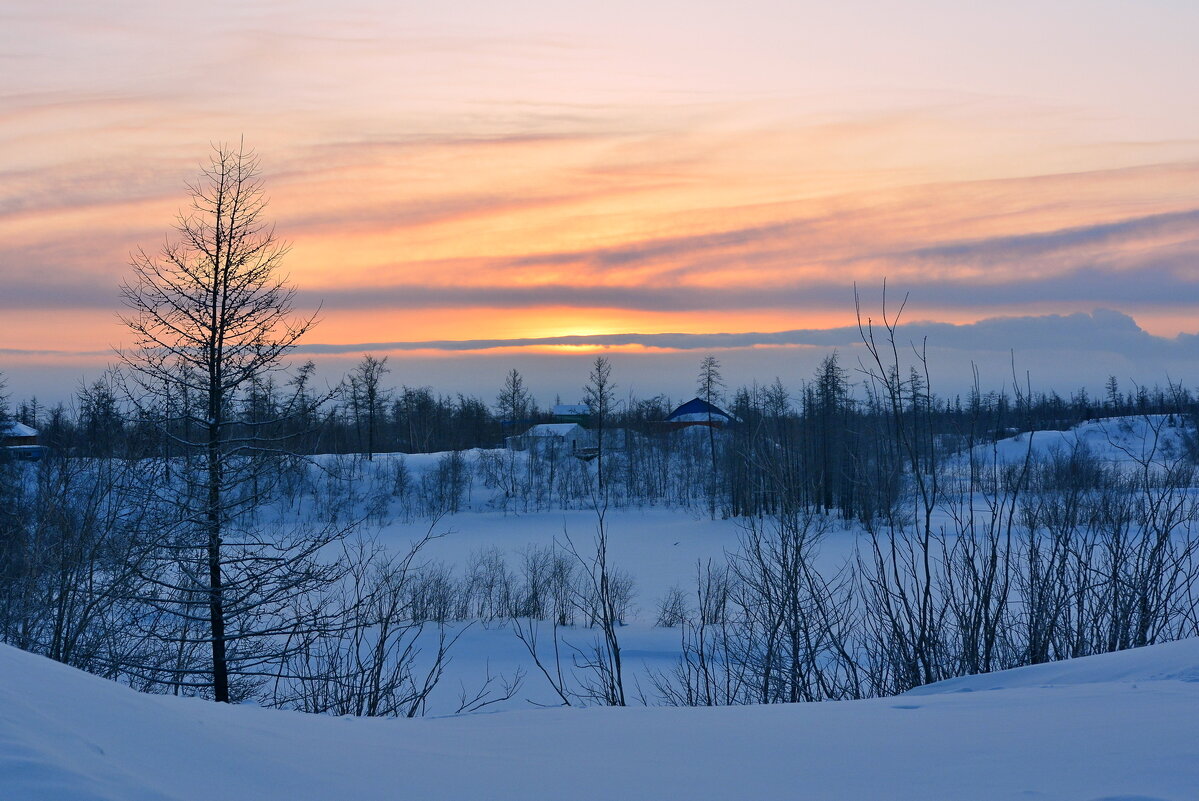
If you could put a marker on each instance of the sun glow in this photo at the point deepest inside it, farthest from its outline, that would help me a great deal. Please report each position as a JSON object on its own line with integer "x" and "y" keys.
{"x": 448, "y": 188}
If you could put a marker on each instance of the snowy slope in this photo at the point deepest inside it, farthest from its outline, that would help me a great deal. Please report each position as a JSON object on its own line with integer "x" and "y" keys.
{"x": 1119, "y": 440}
{"x": 1111, "y": 727}
{"x": 1172, "y": 661}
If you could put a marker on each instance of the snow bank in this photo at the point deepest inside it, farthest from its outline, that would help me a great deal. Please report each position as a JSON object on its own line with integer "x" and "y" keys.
{"x": 1119, "y": 440}
{"x": 1094, "y": 734}
{"x": 1174, "y": 661}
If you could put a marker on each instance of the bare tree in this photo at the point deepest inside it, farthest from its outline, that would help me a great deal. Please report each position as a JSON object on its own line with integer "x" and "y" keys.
{"x": 380, "y": 659}
{"x": 210, "y": 314}
{"x": 603, "y": 594}
{"x": 709, "y": 384}
{"x": 600, "y": 397}
{"x": 5, "y": 421}
{"x": 901, "y": 571}
{"x": 368, "y": 397}
{"x": 514, "y": 402}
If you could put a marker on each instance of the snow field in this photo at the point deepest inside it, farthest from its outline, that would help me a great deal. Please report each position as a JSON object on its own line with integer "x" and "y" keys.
{"x": 1117, "y": 726}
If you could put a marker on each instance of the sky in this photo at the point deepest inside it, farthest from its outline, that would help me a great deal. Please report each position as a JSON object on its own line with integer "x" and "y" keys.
{"x": 474, "y": 186}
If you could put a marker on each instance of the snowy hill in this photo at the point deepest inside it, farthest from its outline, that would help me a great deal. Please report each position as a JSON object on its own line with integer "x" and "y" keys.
{"x": 1117, "y": 440}
{"x": 1172, "y": 661}
{"x": 1117, "y": 726}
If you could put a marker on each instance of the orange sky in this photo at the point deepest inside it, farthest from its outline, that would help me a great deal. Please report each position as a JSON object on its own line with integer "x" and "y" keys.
{"x": 538, "y": 172}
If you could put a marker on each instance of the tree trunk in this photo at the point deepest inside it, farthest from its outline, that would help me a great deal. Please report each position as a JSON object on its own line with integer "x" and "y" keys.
{"x": 216, "y": 601}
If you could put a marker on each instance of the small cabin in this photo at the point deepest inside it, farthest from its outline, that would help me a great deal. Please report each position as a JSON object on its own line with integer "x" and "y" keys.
{"x": 20, "y": 440}
{"x": 568, "y": 437}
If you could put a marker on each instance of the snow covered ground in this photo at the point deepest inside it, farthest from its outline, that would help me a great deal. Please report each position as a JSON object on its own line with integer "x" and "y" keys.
{"x": 1124, "y": 441}
{"x": 660, "y": 548}
{"x": 1117, "y": 726}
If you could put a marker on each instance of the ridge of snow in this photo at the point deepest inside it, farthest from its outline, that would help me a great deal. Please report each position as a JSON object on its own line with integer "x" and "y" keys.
{"x": 1112, "y": 439}
{"x": 68, "y": 736}
{"x": 1172, "y": 661}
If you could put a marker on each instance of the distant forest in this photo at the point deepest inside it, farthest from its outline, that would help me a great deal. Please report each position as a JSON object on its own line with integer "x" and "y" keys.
{"x": 829, "y": 437}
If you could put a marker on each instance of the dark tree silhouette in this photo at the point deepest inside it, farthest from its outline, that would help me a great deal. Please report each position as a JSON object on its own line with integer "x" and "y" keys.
{"x": 210, "y": 315}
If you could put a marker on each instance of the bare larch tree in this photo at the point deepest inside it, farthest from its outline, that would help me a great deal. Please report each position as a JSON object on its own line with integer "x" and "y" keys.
{"x": 600, "y": 397}
{"x": 709, "y": 384}
{"x": 210, "y": 314}
{"x": 368, "y": 398}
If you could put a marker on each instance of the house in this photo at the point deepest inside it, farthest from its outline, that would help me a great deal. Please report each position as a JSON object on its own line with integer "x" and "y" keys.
{"x": 566, "y": 437}
{"x": 698, "y": 412}
{"x": 19, "y": 440}
{"x": 572, "y": 413}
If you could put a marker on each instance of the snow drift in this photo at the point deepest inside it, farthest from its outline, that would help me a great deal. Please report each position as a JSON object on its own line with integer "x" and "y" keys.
{"x": 1118, "y": 726}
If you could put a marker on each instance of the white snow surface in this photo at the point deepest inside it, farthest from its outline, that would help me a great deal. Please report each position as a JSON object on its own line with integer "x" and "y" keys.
{"x": 553, "y": 429}
{"x": 1113, "y": 727}
{"x": 17, "y": 429}
{"x": 1118, "y": 440}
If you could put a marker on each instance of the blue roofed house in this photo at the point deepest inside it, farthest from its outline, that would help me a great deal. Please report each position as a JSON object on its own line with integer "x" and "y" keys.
{"x": 698, "y": 412}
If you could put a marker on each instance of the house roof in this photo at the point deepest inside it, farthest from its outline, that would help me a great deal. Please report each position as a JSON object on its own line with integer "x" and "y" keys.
{"x": 15, "y": 429}
{"x": 697, "y": 409}
{"x": 553, "y": 429}
{"x": 571, "y": 410}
